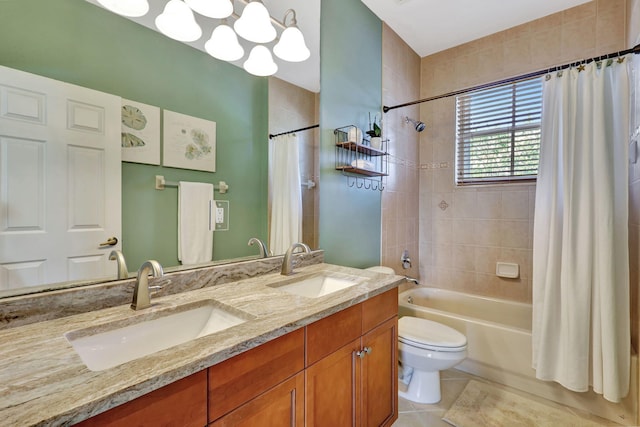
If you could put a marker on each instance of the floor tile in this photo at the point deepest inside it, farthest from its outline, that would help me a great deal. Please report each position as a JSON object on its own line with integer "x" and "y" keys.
{"x": 452, "y": 383}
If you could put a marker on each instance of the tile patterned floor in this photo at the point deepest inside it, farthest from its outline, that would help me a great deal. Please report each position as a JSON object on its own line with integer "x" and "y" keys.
{"x": 453, "y": 382}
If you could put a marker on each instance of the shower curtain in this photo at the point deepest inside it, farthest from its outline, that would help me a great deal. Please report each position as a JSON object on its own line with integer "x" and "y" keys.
{"x": 581, "y": 329}
{"x": 285, "y": 193}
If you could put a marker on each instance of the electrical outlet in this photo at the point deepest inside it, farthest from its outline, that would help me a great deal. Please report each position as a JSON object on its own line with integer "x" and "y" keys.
{"x": 221, "y": 215}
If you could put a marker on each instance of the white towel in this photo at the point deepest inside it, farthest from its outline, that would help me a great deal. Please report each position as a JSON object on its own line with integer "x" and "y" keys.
{"x": 195, "y": 222}
{"x": 363, "y": 164}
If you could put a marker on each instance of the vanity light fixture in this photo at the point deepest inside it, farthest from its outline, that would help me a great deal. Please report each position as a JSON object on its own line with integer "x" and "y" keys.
{"x": 260, "y": 62}
{"x": 177, "y": 22}
{"x": 291, "y": 46}
{"x": 219, "y": 9}
{"x": 223, "y": 43}
{"x": 254, "y": 24}
{"x": 132, "y": 8}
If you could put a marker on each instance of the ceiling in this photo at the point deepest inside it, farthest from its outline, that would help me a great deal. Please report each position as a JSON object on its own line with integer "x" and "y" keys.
{"x": 430, "y": 26}
{"x": 427, "y": 26}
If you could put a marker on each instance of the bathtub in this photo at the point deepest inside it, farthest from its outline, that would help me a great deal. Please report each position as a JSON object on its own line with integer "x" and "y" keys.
{"x": 499, "y": 347}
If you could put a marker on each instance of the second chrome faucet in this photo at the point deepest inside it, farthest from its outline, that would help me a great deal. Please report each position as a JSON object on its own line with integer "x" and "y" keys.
{"x": 287, "y": 262}
{"x": 264, "y": 252}
{"x": 141, "y": 294}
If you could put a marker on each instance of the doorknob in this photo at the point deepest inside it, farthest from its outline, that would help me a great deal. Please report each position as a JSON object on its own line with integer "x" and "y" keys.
{"x": 111, "y": 241}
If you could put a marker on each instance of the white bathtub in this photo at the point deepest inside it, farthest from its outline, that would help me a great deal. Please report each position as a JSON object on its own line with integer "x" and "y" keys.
{"x": 499, "y": 347}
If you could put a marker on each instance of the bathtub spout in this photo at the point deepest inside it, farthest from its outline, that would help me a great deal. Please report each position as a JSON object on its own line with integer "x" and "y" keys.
{"x": 412, "y": 280}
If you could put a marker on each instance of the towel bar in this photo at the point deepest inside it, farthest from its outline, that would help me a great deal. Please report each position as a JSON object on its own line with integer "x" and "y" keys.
{"x": 222, "y": 186}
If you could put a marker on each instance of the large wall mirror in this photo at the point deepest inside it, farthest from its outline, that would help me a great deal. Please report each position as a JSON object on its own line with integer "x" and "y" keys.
{"x": 82, "y": 44}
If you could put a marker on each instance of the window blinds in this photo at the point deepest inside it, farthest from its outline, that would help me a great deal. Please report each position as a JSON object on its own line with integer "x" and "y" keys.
{"x": 498, "y": 133}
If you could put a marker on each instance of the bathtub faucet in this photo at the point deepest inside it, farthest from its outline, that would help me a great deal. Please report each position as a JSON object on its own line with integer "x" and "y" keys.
{"x": 412, "y": 280}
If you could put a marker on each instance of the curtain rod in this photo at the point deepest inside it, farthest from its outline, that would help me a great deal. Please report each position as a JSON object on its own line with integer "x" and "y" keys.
{"x": 271, "y": 136}
{"x": 635, "y": 49}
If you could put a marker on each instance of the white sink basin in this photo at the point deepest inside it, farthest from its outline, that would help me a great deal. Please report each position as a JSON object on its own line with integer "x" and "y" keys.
{"x": 318, "y": 285}
{"x": 105, "y": 346}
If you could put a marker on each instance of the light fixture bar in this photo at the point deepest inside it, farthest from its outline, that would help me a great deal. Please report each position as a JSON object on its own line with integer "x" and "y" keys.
{"x": 273, "y": 20}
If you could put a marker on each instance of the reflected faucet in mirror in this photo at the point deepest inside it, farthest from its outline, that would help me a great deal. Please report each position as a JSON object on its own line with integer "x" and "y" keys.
{"x": 118, "y": 256}
{"x": 264, "y": 252}
{"x": 141, "y": 295}
{"x": 287, "y": 262}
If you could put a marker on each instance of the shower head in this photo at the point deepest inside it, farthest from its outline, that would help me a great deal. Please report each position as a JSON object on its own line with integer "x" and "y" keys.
{"x": 418, "y": 125}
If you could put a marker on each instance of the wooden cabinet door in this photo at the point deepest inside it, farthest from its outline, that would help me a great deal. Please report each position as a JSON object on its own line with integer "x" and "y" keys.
{"x": 333, "y": 389}
{"x": 180, "y": 404}
{"x": 380, "y": 375}
{"x": 281, "y": 406}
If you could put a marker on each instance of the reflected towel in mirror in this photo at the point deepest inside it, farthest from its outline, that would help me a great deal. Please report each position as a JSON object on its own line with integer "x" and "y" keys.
{"x": 195, "y": 222}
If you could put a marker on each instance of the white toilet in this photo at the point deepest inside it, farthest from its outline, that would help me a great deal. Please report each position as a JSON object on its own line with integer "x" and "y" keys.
{"x": 425, "y": 348}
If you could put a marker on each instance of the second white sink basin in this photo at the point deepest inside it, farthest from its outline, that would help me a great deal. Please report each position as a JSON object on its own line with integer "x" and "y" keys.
{"x": 318, "y": 285}
{"x": 103, "y": 347}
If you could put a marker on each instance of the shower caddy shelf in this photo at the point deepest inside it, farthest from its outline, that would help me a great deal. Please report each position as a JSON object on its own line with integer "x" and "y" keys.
{"x": 352, "y": 157}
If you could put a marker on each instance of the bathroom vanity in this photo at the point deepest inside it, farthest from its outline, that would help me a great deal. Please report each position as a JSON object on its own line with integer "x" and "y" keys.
{"x": 295, "y": 360}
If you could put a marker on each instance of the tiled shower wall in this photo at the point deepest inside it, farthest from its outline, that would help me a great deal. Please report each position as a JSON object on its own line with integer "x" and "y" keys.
{"x": 292, "y": 107}
{"x": 464, "y": 231}
{"x": 400, "y": 83}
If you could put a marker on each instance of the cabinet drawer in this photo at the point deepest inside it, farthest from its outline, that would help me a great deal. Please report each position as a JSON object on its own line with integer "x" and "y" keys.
{"x": 329, "y": 334}
{"x": 247, "y": 375}
{"x": 379, "y": 308}
{"x": 183, "y": 403}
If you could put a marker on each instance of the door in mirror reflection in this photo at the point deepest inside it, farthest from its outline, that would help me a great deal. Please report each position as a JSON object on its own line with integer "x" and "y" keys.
{"x": 60, "y": 181}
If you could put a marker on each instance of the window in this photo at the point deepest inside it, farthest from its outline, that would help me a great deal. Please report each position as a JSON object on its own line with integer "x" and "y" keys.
{"x": 498, "y": 133}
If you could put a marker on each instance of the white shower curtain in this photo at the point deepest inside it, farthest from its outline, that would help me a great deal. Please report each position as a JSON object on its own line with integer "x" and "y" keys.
{"x": 285, "y": 193}
{"x": 581, "y": 330}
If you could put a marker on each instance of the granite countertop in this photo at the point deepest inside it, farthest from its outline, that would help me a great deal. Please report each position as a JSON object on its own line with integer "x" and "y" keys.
{"x": 44, "y": 382}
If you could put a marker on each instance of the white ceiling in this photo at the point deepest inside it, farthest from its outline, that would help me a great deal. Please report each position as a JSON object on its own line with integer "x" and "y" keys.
{"x": 430, "y": 26}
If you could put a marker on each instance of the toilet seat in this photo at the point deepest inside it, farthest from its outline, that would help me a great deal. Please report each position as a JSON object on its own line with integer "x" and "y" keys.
{"x": 430, "y": 335}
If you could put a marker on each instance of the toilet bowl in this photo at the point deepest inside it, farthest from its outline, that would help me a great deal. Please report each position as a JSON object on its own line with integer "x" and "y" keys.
{"x": 425, "y": 348}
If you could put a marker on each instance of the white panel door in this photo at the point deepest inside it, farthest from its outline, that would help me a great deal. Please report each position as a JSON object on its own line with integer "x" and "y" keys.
{"x": 60, "y": 180}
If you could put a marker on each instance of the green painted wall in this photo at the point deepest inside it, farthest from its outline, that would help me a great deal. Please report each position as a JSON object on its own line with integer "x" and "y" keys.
{"x": 79, "y": 43}
{"x": 351, "y": 82}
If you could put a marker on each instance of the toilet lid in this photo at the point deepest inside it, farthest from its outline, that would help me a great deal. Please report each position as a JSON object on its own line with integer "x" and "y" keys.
{"x": 428, "y": 334}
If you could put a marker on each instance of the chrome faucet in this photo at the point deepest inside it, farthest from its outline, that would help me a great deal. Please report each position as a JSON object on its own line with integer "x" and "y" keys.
{"x": 118, "y": 256}
{"x": 287, "y": 262}
{"x": 141, "y": 297}
{"x": 412, "y": 280}
{"x": 264, "y": 252}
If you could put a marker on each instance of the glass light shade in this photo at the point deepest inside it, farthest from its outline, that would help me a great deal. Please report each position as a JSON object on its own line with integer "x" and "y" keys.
{"x": 133, "y": 8}
{"x": 223, "y": 44}
{"x": 212, "y": 8}
{"x": 255, "y": 24}
{"x": 177, "y": 22}
{"x": 260, "y": 62}
{"x": 291, "y": 46}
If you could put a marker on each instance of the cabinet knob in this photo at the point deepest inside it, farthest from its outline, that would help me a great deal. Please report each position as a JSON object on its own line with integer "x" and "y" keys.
{"x": 362, "y": 353}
